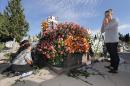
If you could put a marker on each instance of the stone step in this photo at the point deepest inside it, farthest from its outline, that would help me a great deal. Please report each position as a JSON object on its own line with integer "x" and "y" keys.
{"x": 125, "y": 56}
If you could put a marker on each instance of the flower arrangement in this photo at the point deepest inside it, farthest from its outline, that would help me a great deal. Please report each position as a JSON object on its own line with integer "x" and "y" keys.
{"x": 66, "y": 38}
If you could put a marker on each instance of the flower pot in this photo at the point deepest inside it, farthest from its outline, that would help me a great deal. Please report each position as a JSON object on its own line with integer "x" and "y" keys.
{"x": 73, "y": 60}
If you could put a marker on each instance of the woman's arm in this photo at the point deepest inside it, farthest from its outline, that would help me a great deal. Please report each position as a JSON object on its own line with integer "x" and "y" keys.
{"x": 28, "y": 58}
{"x": 105, "y": 22}
{"x": 29, "y": 61}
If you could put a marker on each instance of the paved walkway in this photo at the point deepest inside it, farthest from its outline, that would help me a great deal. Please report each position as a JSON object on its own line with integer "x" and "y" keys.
{"x": 48, "y": 78}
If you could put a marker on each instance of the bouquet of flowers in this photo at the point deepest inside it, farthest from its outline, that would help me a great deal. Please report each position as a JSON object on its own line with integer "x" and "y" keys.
{"x": 65, "y": 39}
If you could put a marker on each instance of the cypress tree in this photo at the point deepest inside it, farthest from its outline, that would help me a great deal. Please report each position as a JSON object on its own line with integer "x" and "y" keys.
{"x": 15, "y": 23}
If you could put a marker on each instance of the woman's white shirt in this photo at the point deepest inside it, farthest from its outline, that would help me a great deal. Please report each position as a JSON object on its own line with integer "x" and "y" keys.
{"x": 111, "y": 32}
{"x": 22, "y": 57}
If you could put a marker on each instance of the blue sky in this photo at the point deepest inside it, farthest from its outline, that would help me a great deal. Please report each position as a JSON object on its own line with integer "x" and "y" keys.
{"x": 87, "y": 13}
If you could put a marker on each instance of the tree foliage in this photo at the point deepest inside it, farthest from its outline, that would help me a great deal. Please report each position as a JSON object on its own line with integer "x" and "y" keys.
{"x": 14, "y": 24}
{"x": 124, "y": 38}
{"x": 127, "y": 38}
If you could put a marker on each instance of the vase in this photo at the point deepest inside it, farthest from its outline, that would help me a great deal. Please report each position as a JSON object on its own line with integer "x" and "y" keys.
{"x": 73, "y": 60}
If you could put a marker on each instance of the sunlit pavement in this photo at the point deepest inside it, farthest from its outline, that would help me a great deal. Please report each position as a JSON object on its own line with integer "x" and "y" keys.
{"x": 122, "y": 78}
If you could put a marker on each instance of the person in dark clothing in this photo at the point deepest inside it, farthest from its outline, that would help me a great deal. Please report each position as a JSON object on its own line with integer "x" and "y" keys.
{"x": 21, "y": 48}
{"x": 22, "y": 62}
{"x": 110, "y": 28}
{"x": 105, "y": 51}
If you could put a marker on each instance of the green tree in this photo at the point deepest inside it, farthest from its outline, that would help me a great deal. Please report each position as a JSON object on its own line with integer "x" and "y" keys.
{"x": 3, "y": 31}
{"x": 121, "y": 37}
{"x": 15, "y": 21}
{"x": 127, "y": 38}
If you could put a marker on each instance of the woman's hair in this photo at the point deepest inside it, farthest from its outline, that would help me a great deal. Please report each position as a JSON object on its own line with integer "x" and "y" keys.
{"x": 26, "y": 46}
{"x": 24, "y": 42}
{"x": 23, "y": 45}
{"x": 107, "y": 11}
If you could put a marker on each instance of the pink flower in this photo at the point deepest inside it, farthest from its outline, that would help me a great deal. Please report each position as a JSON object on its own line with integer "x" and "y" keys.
{"x": 47, "y": 55}
{"x": 62, "y": 52}
{"x": 59, "y": 46}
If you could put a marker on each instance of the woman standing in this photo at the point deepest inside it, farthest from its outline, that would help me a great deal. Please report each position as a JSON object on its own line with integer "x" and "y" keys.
{"x": 110, "y": 28}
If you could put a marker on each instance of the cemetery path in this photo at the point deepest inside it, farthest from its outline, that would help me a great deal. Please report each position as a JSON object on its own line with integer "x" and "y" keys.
{"x": 46, "y": 77}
